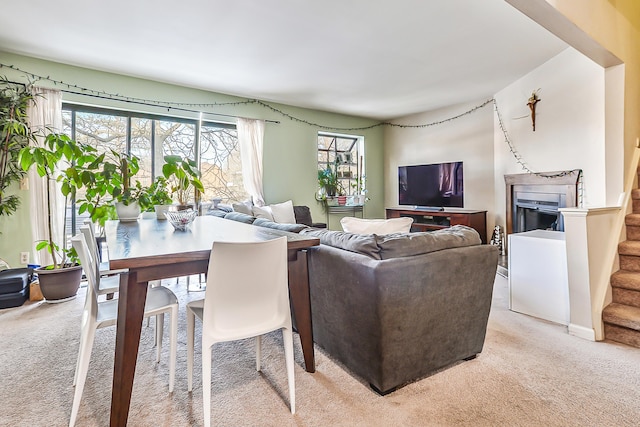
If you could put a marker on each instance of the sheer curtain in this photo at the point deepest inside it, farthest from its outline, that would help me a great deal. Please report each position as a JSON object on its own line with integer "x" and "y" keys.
{"x": 45, "y": 116}
{"x": 251, "y": 140}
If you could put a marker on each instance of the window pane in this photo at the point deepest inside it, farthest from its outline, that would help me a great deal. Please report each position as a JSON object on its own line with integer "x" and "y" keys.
{"x": 176, "y": 138}
{"x": 141, "y": 148}
{"x": 220, "y": 164}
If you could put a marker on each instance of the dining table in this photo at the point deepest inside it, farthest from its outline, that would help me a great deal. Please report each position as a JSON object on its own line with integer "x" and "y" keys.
{"x": 151, "y": 249}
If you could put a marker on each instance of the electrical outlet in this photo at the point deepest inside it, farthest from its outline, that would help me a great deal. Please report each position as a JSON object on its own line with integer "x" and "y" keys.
{"x": 24, "y": 258}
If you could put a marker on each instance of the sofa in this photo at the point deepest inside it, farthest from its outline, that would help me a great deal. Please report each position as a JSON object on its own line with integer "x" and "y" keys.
{"x": 396, "y": 308}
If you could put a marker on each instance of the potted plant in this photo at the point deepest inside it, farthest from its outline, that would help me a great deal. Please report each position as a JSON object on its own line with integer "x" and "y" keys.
{"x": 183, "y": 177}
{"x": 108, "y": 190}
{"x": 159, "y": 197}
{"x": 62, "y": 161}
{"x": 15, "y": 135}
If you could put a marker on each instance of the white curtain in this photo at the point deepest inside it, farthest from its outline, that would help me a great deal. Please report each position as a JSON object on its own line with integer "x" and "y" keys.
{"x": 45, "y": 116}
{"x": 251, "y": 139}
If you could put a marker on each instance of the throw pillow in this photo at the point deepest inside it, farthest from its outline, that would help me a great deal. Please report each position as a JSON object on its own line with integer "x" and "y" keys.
{"x": 376, "y": 226}
{"x": 283, "y": 212}
{"x": 242, "y": 208}
{"x": 263, "y": 212}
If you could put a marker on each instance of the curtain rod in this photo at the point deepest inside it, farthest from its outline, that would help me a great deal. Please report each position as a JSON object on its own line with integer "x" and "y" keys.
{"x": 148, "y": 104}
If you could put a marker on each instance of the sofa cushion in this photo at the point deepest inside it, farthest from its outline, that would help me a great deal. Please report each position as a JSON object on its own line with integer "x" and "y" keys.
{"x": 404, "y": 245}
{"x": 240, "y": 217}
{"x": 362, "y": 244}
{"x": 262, "y": 212}
{"x": 283, "y": 212}
{"x": 376, "y": 226}
{"x": 294, "y": 228}
{"x": 242, "y": 208}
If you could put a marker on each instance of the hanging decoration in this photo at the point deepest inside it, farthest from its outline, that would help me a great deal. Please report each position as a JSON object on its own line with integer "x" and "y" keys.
{"x": 533, "y": 100}
{"x": 184, "y": 106}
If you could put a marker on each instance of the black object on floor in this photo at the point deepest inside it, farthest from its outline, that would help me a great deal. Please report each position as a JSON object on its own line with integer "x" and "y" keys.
{"x": 14, "y": 286}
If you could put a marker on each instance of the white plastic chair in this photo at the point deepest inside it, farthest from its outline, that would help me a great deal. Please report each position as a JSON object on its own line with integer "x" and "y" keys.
{"x": 247, "y": 295}
{"x": 92, "y": 243}
{"x": 160, "y": 300}
{"x": 108, "y": 280}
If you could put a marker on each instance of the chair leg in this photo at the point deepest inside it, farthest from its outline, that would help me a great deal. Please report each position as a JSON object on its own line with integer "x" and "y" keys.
{"x": 206, "y": 383}
{"x": 84, "y": 336}
{"x": 173, "y": 347}
{"x": 287, "y": 338}
{"x": 83, "y": 366}
{"x": 159, "y": 332}
{"x": 191, "y": 320}
{"x": 258, "y": 351}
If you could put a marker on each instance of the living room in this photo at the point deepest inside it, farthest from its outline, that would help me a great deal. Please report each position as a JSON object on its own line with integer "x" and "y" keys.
{"x": 587, "y": 119}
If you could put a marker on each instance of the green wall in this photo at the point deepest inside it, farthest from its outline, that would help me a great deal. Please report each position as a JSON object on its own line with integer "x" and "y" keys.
{"x": 289, "y": 147}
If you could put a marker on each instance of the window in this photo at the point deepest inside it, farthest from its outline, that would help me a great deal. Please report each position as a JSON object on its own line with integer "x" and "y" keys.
{"x": 344, "y": 154}
{"x": 151, "y": 137}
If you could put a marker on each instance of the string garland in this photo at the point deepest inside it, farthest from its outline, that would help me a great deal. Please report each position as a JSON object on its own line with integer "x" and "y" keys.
{"x": 184, "y": 106}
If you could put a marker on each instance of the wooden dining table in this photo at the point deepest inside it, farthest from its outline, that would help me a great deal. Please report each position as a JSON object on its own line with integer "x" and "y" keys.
{"x": 151, "y": 249}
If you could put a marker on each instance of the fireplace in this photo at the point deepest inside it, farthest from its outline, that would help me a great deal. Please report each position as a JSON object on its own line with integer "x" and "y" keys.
{"x": 533, "y": 201}
{"x": 537, "y": 211}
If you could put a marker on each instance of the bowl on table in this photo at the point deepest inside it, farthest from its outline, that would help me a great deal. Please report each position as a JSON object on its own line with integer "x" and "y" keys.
{"x": 181, "y": 219}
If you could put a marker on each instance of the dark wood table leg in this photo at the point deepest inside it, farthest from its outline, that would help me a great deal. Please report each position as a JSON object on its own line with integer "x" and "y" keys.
{"x": 301, "y": 302}
{"x": 131, "y": 300}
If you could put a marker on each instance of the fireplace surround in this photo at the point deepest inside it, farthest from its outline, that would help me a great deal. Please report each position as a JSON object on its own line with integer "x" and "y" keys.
{"x": 533, "y": 200}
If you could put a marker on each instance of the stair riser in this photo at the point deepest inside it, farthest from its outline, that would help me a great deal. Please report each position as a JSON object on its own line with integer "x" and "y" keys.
{"x": 626, "y": 297}
{"x": 636, "y": 205}
{"x": 623, "y": 335}
{"x": 631, "y": 263}
{"x": 633, "y": 232}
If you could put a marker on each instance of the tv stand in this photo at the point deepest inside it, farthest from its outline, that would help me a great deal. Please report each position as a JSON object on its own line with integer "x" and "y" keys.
{"x": 424, "y": 220}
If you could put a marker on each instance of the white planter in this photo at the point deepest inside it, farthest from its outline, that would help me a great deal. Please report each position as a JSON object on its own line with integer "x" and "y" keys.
{"x": 161, "y": 210}
{"x": 128, "y": 212}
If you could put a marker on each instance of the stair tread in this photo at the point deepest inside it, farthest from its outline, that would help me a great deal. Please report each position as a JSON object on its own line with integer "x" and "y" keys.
{"x": 632, "y": 219}
{"x": 626, "y": 280}
{"x": 622, "y": 315}
{"x": 629, "y": 247}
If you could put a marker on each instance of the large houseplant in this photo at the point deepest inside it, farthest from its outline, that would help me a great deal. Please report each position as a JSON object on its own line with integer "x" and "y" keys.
{"x": 159, "y": 196}
{"x": 183, "y": 177}
{"x": 108, "y": 188}
{"x": 62, "y": 162}
{"x": 15, "y": 134}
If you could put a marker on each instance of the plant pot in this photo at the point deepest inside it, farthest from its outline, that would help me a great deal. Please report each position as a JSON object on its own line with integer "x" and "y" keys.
{"x": 60, "y": 284}
{"x": 161, "y": 210}
{"x": 342, "y": 200}
{"x": 184, "y": 207}
{"x": 128, "y": 212}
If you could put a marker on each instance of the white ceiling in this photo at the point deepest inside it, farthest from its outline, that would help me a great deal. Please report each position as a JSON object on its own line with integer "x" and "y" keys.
{"x": 371, "y": 58}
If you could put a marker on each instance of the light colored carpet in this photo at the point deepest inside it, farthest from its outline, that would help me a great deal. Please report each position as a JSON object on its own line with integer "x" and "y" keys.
{"x": 530, "y": 373}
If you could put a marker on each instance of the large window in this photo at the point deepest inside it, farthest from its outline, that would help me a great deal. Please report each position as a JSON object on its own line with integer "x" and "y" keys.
{"x": 344, "y": 154}
{"x": 213, "y": 145}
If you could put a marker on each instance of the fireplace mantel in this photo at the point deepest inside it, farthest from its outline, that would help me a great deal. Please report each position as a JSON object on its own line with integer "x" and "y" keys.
{"x": 564, "y": 184}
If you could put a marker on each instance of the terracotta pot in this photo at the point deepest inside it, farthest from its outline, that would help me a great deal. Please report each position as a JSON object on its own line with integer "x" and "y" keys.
{"x": 342, "y": 200}
{"x": 60, "y": 284}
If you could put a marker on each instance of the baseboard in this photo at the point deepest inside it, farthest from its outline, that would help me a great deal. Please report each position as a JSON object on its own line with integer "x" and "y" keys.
{"x": 582, "y": 332}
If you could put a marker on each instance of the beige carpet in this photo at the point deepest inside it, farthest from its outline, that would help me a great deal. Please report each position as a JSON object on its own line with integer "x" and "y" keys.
{"x": 530, "y": 373}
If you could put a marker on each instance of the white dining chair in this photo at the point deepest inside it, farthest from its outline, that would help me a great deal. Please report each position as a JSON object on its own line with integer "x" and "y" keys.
{"x": 238, "y": 306}
{"x": 100, "y": 314}
{"x": 92, "y": 243}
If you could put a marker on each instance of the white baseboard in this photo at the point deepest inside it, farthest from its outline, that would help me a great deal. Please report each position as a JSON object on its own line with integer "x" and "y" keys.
{"x": 582, "y": 332}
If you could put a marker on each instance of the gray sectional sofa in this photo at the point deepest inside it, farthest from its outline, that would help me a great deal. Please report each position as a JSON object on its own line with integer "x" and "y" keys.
{"x": 395, "y": 308}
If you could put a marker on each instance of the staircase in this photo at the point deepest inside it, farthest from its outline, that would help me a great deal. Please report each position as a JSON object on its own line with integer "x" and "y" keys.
{"x": 622, "y": 317}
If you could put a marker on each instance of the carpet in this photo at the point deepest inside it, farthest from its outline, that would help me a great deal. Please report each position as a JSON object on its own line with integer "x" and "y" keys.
{"x": 530, "y": 373}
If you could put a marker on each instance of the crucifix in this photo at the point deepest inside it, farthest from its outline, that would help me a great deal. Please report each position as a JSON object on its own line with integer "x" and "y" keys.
{"x": 533, "y": 100}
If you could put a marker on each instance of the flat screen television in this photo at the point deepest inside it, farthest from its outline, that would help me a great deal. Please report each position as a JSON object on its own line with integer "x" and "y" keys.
{"x": 438, "y": 185}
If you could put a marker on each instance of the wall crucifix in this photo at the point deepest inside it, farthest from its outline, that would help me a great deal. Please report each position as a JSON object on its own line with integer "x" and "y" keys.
{"x": 533, "y": 100}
